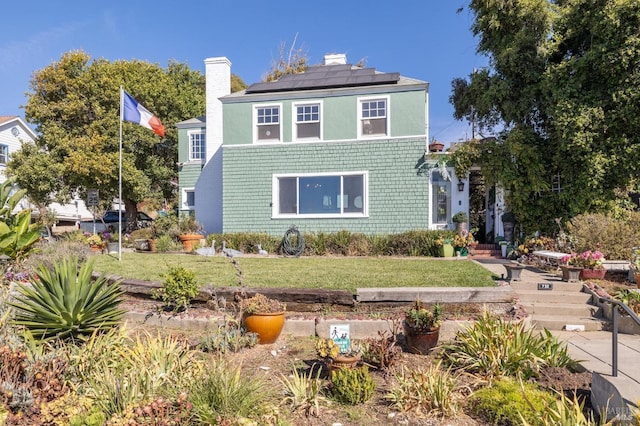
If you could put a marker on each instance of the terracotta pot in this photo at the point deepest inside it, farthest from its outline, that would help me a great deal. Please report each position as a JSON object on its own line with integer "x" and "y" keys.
{"x": 636, "y": 275}
{"x": 152, "y": 245}
{"x": 436, "y": 147}
{"x": 592, "y": 274}
{"x": 96, "y": 249}
{"x": 267, "y": 326}
{"x": 188, "y": 240}
{"x": 421, "y": 342}
{"x": 342, "y": 361}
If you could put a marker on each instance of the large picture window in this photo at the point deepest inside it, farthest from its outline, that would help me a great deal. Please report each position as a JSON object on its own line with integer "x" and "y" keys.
{"x": 307, "y": 121}
{"x": 373, "y": 117}
{"x": 321, "y": 195}
{"x": 268, "y": 123}
{"x": 197, "y": 146}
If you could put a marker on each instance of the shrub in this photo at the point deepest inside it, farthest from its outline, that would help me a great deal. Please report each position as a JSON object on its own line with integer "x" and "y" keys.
{"x": 65, "y": 303}
{"x": 612, "y": 236}
{"x": 178, "y": 288}
{"x": 494, "y": 347}
{"x": 426, "y": 391}
{"x": 352, "y": 385}
{"x": 228, "y": 337}
{"x": 303, "y": 391}
{"x": 507, "y": 401}
{"x": 226, "y": 393}
{"x": 164, "y": 243}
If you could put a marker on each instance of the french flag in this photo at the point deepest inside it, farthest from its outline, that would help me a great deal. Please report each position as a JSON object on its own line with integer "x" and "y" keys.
{"x": 135, "y": 113}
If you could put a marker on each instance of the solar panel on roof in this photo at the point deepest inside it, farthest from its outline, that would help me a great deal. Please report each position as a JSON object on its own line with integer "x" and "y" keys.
{"x": 326, "y": 76}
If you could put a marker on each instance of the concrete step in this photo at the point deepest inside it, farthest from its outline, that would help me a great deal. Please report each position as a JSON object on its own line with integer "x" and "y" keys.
{"x": 561, "y": 286}
{"x": 536, "y": 296}
{"x": 556, "y": 322}
{"x": 564, "y": 309}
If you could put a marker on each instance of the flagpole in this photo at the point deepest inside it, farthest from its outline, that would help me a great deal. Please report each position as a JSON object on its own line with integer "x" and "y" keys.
{"x": 120, "y": 179}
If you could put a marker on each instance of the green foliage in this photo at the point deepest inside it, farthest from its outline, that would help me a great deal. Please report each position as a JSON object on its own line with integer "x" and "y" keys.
{"x": 165, "y": 243}
{"x": 426, "y": 391}
{"x": 178, "y": 288}
{"x": 460, "y": 217}
{"x": 629, "y": 297}
{"x": 419, "y": 318}
{"x": 225, "y": 393}
{"x": 229, "y": 336}
{"x": 507, "y": 401}
{"x": 64, "y": 302}
{"x": 118, "y": 373}
{"x": 566, "y": 412}
{"x": 559, "y": 125}
{"x": 494, "y": 347}
{"x": 17, "y": 234}
{"x": 188, "y": 224}
{"x": 612, "y": 236}
{"x": 352, "y": 385}
{"x": 303, "y": 391}
{"x": 74, "y": 103}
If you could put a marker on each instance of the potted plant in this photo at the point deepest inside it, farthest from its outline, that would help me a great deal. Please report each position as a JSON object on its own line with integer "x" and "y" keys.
{"x": 95, "y": 242}
{"x": 263, "y": 316}
{"x": 190, "y": 232}
{"x": 589, "y": 261}
{"x": 445, "y": 246}
{"x": 330, "y": 352}
{"x": 460, "y": 219}
{"x": 461, "y": 242}
{"x": 422, "y": 327}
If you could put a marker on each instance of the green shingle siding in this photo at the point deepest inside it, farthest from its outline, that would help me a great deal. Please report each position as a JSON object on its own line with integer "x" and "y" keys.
{"x": 398, "y": 197}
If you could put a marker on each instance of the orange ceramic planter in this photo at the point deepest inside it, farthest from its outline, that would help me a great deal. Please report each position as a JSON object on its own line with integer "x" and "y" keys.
{"x": 188, "y": 240}
{"x": 267, "y": 326}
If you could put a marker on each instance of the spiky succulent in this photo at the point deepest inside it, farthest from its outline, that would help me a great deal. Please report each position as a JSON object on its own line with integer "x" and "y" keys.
{"x": 63, "y": 302}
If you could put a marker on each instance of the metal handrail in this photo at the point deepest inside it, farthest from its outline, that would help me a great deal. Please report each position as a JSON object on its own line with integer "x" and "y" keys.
{"x": 614, "y": 334}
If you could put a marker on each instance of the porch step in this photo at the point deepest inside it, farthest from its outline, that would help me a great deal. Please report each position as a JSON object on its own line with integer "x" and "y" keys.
{"x": 537, "y": 296}
{"x": 555, "y": 322}
{"x": 484, "y": 253}
{"x": 559, "y": 286}
{"x": 565, "y": 309}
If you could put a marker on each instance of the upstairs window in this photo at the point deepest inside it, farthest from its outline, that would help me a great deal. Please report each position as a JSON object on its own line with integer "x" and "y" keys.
{"x": 4, "y": 154}
{"x": 197, "y": 146}
{"x": 268, "y": 123}
{"x": 333, "y": 195}
{"x": 373, "y": 117}
{"x": 307, "y": 121}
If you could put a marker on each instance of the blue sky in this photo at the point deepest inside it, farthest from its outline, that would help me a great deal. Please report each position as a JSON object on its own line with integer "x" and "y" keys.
{"x": 426, "y": 40}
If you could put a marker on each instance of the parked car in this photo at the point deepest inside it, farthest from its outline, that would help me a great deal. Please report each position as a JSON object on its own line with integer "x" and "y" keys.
{"x": 110, "y": 222}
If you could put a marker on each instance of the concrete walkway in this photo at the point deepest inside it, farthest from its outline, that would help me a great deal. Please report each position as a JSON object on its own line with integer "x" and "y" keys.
{"x": 617, "y": 396}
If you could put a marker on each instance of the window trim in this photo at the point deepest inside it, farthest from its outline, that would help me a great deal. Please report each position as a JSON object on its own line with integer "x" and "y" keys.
{"x": 256, "y": 107}
{"x": 294, "y": 120}
{"x": 275, "y": 201}
{"x": 361, "y": 100}
{"x": 190, "y": 150}
{"x": 6, "y": 148}
{"x": 432, "y": 201}
{"x": 183, "y": 200}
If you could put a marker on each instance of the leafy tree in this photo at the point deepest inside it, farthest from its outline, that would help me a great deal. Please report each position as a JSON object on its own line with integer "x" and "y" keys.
{"x": 293, "y": 62}
{"x": 74, "y": 104}
{"x": 563, "y": 88}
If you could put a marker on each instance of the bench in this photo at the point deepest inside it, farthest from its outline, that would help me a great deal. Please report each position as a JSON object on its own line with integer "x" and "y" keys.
{"x": 549, "y": 257}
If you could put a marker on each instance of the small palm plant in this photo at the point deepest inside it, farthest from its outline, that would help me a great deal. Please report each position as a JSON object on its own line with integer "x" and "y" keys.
{"x": 62, "y": 302}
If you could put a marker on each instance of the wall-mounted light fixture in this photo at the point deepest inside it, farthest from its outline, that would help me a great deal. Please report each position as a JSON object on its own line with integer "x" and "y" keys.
{"x": 460, "y": 185}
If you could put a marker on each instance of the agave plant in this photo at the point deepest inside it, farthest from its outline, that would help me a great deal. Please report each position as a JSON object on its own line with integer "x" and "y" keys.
{"x": 62, "y": 302}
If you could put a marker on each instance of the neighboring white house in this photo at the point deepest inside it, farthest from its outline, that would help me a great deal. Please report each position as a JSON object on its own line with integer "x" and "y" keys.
{"x": 13, "y": 132}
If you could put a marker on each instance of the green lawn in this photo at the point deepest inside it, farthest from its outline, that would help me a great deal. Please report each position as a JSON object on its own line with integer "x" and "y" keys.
{"x": 338, "y": 273}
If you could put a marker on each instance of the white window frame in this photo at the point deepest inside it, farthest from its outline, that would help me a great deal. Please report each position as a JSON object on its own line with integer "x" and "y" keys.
{"x": 184, "y": 198}
{"x": 256, "y": 125}
{"x": 433, "y": 203}
{"x": 203, "y": 135}
{"x": 276, "y": 196}
{"x": 295, "y": 122}
{"x": 360, "y": 120}
{"x": 4, "y": 154}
